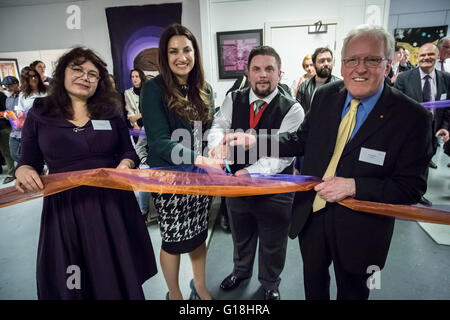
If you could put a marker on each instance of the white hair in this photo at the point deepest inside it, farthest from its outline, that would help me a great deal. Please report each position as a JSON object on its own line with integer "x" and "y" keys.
{"x": 377, "y": 32}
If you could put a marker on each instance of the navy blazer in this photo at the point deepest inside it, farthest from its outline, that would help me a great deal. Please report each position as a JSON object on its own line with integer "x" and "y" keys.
{"x": 363, "y": 239}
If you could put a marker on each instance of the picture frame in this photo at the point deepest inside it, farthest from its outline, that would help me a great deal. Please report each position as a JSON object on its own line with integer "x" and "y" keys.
{"x": 233, "y": 49}
{"x": 9, "y": 67}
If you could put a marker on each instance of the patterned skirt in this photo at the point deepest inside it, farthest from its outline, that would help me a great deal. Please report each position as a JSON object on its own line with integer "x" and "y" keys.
{"x": 183, "y": 221}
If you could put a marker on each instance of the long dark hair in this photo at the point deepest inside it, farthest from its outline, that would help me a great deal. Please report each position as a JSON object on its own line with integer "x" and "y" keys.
{"x": 141, "y": 75}
{"x": 196, "y": 106}
{"x": 25, "y": 85}
{"x": 104, "y": 102}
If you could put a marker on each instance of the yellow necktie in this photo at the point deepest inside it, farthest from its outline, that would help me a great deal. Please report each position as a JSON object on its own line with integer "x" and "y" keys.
{"x": 344, "y": 133}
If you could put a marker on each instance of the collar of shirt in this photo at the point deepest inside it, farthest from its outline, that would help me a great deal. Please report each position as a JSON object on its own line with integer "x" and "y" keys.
{"x": 364, "y": 109}
{"x": 432, "y": 74}
{"x": 253, "y": 97}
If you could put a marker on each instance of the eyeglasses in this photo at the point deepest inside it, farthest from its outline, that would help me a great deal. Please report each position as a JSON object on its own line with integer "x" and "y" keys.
{"x": 78, "y": 72}
{"x": 369, "y": 62}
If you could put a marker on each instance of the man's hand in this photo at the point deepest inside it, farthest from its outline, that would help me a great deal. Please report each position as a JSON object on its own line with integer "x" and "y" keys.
{"x": 219, "y": 152}
{"x": 334, "y": 189}
{"x": 239, "y": 139}
{"x": 241, "y": 172}
{"x": 444, "y": 133}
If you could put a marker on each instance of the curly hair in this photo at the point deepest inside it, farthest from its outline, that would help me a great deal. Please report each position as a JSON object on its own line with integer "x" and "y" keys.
{"x": 104, "y": 102}
{"x": 196, "y": 106}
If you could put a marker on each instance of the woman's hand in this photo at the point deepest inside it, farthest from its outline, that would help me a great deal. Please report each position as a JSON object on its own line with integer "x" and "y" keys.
{"x": 209, "y": 162}
{"x": 126, "y": 164}
{"x": 28, "y": 180}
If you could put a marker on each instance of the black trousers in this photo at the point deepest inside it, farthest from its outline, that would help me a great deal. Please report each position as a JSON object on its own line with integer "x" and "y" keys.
{"x": 266, "y": 218}
{"x": 318, "y": 248}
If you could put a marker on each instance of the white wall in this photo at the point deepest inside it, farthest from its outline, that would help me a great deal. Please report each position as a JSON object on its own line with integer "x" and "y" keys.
{"x": 229, "y": 15}
{"x": 418, "y": 13}
{"x": 43, "y": 27}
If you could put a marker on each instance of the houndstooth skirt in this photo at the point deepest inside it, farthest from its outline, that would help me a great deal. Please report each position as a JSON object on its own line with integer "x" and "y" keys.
{"x": 183, "y": 221}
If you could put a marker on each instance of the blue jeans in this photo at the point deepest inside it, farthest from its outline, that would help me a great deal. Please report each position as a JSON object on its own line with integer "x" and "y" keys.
{"x": 14, "y": 148}
{"x": 144, "y": 201}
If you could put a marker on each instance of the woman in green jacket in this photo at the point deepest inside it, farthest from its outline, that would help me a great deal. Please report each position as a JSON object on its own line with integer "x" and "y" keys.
{"x": 176, "y": 112}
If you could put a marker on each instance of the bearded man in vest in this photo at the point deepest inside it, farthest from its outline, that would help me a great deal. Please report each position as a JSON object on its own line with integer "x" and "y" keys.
{"x": 263, "y": 107}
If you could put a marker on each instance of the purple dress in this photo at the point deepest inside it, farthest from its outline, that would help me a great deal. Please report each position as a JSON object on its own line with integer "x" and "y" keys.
{"x": 93, "y": 242}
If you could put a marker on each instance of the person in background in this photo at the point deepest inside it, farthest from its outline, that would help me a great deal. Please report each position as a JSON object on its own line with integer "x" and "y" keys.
{"x": 32, "y": 87}
{"x": 396, "y": 67}
{"x": 176, "y": 100}
{"x": 405, "y": 64}
{"x": 132, "y": 98}
{"x": 425, "y": 84}
{"x": 5, "y": 130}
{"x": 443, "y": 63}
{"x": 323, "y": 64}
{"x": 40, "y": 67}
{"x": 308, "y": 66}
{"x": 97, "y": 231}
{"x": 133, "y": 107}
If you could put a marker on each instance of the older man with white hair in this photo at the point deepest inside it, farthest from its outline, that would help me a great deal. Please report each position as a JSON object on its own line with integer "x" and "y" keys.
{"x": 367, "y": 141}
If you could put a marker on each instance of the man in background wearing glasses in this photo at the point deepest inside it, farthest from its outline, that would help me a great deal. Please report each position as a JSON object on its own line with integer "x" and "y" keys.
{"x": 367, "y": 141}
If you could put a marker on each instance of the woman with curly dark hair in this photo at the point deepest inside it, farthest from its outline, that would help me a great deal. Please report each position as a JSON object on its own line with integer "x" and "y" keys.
{"x": 172, "y": 102}
{"x": 93, "y": 242}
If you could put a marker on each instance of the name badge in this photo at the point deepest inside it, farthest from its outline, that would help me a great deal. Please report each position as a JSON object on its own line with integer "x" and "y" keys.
{"x": 372, "y": 156}
{"x": 443, "y": 96}
{"x": 101, "y": 124}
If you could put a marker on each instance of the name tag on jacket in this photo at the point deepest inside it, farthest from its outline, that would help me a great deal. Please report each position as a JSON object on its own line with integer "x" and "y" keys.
{"x": 372, "y": 156}
{"x": 101, "y": 124}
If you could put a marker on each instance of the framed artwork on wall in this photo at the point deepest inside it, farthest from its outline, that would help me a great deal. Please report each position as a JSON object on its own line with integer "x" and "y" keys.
{"x": 8, "y": 67}
{"x": 233, "y": 49}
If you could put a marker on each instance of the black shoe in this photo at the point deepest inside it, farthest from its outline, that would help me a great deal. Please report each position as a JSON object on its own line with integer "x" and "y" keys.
{"x": 272, "y": 294}
{"x": 194, "y": 295}
{"x": 432, "y": 165}
{"x": 425, "y": 202}
{"x": 224, "y": 225}
{"x": 231, "y": 282}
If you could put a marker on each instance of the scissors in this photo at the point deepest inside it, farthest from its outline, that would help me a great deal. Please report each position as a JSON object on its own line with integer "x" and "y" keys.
{"x": 226, "y": 165}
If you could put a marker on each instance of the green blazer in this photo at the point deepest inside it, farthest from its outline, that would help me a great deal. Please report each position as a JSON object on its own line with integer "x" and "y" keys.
{"x": 170, "y": 137}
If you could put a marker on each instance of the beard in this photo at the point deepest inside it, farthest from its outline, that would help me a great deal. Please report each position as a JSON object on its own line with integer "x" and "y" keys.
{"x": 324, "y": 72}
{"x": 263, "y": 93}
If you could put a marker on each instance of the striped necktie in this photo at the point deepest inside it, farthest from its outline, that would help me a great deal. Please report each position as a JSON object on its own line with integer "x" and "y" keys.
{"x": 344, "y": 133}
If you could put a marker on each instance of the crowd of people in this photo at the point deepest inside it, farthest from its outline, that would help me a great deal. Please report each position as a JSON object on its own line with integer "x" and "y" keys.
{"x": 345, "y": 131}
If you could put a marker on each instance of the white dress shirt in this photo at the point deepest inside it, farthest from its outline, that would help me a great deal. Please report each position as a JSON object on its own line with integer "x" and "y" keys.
{"x": 446, "y": 65}
{"x": 25, "y": 104}
{"x": 222, "y": 123}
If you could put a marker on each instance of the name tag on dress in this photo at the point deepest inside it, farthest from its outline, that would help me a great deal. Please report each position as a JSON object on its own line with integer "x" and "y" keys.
{"x": 372, "y": 156}
{"x": 443, "y": 96}
{"x": 101, "y": 124}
